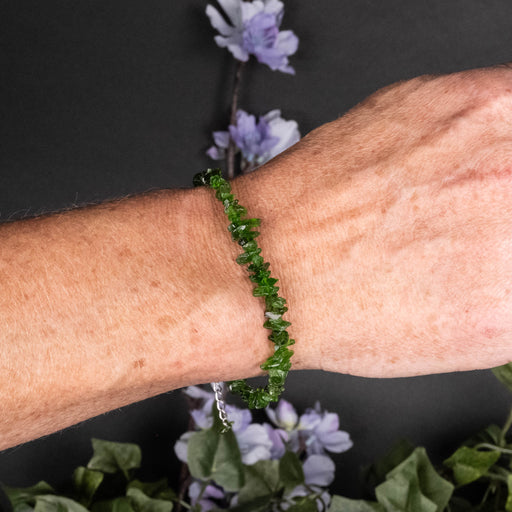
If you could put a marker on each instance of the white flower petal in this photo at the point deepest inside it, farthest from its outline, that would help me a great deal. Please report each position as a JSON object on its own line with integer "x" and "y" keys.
{"x": 250, "y": 9}
{"x": 274, "y": 7}
{"x": 215, "y": 153}
{"x": 193, "y": 491}
{"x": 287, "y": 42}
{"x": 233, "y": 9}
{"x": 309, "y": 420}
{"x": 221, "y": 139}
{"x": 197, "y": 392}
{"x": 241, "y": 418}
{"x": 319, "y": 470}
{"x": 287, "y": 69}
{"x": 336, "y": 442}
{"x": 218, "y": 22}
{"x": 181, "y": 446}
{"x": 237, "y": 51}
{"x": 203, "y": 417}
{"x": 288, "y": 133}
{"x": 271, "y": 413}
{"x": 286, "y": 415}
{"x": 254, "y": 444}
{"x": 273, "y": 114}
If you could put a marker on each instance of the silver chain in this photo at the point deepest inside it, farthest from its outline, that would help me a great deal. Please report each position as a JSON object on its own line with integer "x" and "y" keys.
{"x": 218, "y": 390}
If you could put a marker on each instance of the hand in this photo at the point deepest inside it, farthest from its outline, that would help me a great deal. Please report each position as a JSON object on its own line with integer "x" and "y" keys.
{"x": 390, "y": 229}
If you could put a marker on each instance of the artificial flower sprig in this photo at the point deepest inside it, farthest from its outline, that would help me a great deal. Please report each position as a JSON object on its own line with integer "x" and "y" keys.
{"x": 257, "y": 141}
{"x": 307, "y": 440}
{"x": 253, "y": 29}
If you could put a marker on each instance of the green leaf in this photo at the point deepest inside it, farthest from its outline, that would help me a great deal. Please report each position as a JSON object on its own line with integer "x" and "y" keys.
{"x": 261, "y": 504}
{"x": 159, "y": 489}
{"x": 50, "y": 503}
{"x": 469, "y": 464}
{"x": 19, "y": 495}
{"x": 376, "y": 473}
{"x": 341, "y": 504}
{"x": 86, "y": 482}
{"x": 304, "y": 505}
{"x": 508, "y": 504}
{"x": 143, "y": 503}
{"x": 493, "y": 434}
{"x": 23, "y": 507}
{"x": 201, "y": 450}
{"x": 291, "y": 473}
{"x": 414, "y": 486}
{"x": 110, "y": 457}
{"x": 211, "y": 454}
{"x": 122, "y": 504}
{"x": 228, "y": 470}
{"x": 504, "y": 375}
{"x": 261, "y": 479}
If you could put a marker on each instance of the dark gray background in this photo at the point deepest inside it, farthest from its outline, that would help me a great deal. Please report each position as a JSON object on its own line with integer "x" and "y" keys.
{"x": 103, "y": 98}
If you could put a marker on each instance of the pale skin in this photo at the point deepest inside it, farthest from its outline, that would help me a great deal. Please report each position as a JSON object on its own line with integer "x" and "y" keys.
{"x": 390, "y": 230}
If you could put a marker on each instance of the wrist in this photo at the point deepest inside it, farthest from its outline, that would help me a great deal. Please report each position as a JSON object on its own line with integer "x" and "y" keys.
{"x": 225, "y": 339}
{"x": 262, "y": 193}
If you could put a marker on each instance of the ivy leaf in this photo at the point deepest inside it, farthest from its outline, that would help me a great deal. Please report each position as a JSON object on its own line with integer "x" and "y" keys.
{"x": 201, "y": 450}
{"x": 19, "y": 495}
{"x": 261, "y": 504}
{"x": 228, "y": 467}
{"x": 261, "y": 480}
{"x": 341, "y": 504}
{"x": 504, "y": 375}
{"x": 111, "y": 457}
{"x": 291, "y": 473}
{"x": 86, "y": 482}
{"x": 469, "y": 464}
{"x": 159, "y": 489}
{"x": 211, "y": 454}
{"x": 304, "y": 505}
{"x": 508, "y": 504}
{"x": 414, "y": 486}
{"x": 376, "y": 473}
{"x": 492, "y": 433}
{"x": 50, "y": 503}
{"x": 23, "y": 507}
{"x": 143, "y": 503}
{"x": 122, "y": 504}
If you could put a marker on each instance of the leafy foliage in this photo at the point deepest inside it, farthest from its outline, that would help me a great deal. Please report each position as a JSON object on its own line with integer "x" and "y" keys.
{"x": 404, "y": 480}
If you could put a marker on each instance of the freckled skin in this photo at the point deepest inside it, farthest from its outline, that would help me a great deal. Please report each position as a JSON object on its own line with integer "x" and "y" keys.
{"x": 412, "y": 253}
{"x": 389, "y": 229}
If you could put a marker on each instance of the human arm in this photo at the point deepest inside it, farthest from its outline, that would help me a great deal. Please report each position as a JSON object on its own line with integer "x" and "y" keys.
{"x": 110, "y": 304}
{"x": 389, "y": 230}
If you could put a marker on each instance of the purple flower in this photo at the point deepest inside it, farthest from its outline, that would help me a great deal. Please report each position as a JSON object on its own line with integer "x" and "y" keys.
{"x": 254, "y": 443}
{"x": 316, "y": 431}
{"x": 320, "y": 431}
{"x": 254, "y": 30}
{"x": 211, "y": 492}
{"x": 278, "y": 437}
{"x": 257, "y": 141}
{"x": 318, "y": 470}
{"x": 284, "y": 415}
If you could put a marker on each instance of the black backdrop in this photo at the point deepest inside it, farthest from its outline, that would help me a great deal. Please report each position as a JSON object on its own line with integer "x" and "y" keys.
{"x": 102, "y": 98}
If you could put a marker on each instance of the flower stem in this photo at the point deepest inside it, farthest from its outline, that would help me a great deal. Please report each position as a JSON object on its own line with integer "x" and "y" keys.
{"x": 232, "y": 119}
{"x": 494, "y": 448}
{"x": 185, "y": 477}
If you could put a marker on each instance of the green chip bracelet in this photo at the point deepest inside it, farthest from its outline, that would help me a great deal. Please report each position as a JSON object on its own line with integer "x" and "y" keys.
{"x": 243, "y": 232}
